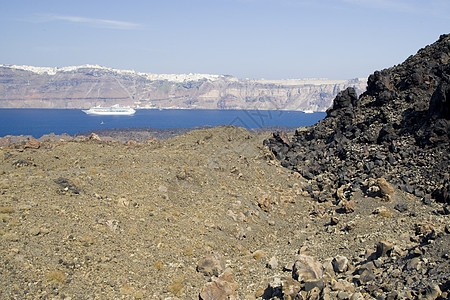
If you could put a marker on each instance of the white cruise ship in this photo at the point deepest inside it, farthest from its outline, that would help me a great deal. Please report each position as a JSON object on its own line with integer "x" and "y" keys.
{"x": 113, "y": 110}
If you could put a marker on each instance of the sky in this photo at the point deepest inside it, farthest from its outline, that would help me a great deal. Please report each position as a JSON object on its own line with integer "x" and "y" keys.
{"x": 270, "y": 39}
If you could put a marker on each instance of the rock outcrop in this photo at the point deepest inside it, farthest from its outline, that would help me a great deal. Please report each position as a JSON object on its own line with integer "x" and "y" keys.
{"x": 86, "y": 86}
{"x": 397, "y": 130}
{"x": 393, "y": 139}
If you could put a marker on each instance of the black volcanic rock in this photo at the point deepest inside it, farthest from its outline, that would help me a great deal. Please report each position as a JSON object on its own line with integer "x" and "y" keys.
{"x": 398, "y": 129}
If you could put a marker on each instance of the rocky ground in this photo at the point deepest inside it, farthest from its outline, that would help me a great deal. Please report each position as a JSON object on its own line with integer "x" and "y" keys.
{"x": 395, "y": 135}
{"x": 86, "y": 219}
{"x": 334, "y": 211}
{"x": 142, "y": 134}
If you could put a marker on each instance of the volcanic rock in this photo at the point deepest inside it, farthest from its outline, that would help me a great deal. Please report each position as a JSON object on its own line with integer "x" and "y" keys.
{"x": 393, "y": 137}
{"x": 306, "y": 268}
{"x": 402, "y": 119}
{"x": 222, "y": 287}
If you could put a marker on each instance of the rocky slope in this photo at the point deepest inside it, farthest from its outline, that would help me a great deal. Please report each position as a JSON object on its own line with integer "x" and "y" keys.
{"x": 395, "y": 135}
{"x": 355, "y": 207}
{"x": 86, "y": 86}
{"x": 209, "y": 213}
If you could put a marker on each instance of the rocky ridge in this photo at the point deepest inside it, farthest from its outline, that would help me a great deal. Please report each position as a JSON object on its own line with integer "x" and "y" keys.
{"x": 395, "y": 136}
{"x": 91, "y": 85}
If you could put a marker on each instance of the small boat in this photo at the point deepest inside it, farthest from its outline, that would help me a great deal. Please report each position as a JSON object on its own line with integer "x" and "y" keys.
{"x": 112, "y": 110}
{"x": 308, "y": 111}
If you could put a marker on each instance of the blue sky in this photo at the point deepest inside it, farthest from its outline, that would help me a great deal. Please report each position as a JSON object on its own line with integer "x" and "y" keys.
{"x": 271, "y": 39}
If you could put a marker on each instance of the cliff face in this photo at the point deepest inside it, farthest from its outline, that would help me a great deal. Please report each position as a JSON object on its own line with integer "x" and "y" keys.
{"x": 86, "y": 86}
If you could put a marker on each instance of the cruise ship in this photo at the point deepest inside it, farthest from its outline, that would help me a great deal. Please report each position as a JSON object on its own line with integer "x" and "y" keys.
{"x": 112, "y": 110}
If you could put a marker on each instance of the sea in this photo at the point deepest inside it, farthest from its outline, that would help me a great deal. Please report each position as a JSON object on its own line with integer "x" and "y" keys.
{"x": 38, "y": 122}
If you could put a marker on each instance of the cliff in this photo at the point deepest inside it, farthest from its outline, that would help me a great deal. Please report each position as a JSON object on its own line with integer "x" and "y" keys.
{"x": 91, "y": 85}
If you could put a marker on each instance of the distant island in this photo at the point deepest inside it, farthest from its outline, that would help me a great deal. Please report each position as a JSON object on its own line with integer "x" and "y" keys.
{"x": 81, "y": 87}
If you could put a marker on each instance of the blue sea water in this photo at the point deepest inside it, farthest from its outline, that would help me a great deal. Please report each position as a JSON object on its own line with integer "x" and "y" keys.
{"x": 37, "y": 122}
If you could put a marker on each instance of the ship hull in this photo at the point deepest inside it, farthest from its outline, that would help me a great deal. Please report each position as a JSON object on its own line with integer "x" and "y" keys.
{"x": 114, "y": 110}
{"x": 110, "y": 113}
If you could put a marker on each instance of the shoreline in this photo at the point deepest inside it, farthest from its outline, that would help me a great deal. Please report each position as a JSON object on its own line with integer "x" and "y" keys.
{"x": 123, "y": 135}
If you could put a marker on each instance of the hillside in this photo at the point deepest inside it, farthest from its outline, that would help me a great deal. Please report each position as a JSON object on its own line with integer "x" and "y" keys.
{"x": 86, "y": 86}
{"x": 355, "y": 207}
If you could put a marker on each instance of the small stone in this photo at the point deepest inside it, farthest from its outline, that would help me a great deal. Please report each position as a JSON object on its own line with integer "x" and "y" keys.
{"x": 265, "y": 203}
{"x": 57, "y": 276}
{"x": 162, "y": 189}
{"x": 401, "y": 207}
{"x": 384, "y": 248}
{"x": 424, "y": 228}
{"x": 377, "y": 263}
{"x": 290, "y": 287}
{"x": 334, "y": 220}
{"x": 426, "y": 200}
{"x": 11, "y": 236}
{"x": 366, "y": 276}
{"x": 348, "y": 206}
{"x": 414, "y": 264}
{"x": 313, "y": 294}
{"x": 222, "y": 287}
{"x": 326, "y": 294}
{"x": 432, "y": 292}
{"x": 342, "y": 285}
{"x": 258, "y": 254}
{"x": 311, "y": 284}
{"x": 343, "y": 295}
{"x": 328, "y": 267}
{"x": 273, "y": 263}
{"x": 131, "y": 143}
{"x": 386, "y": 190}
{"x": 94, "y": 137}
{"x": 33, "y": 144}
{"x": 306, "y": 268}
{"x": 357, "y": 296}
{"x": 152, "y": 141}
{"x": 210, "y": 265}
{"x": 45, "y": 230}
{"x": 382, "y": 211}
{"x": 398, "y": 251}
{"x": 340, "y": 264}
{"x": 350, "y": 226}
{"x": 35, "y": 231}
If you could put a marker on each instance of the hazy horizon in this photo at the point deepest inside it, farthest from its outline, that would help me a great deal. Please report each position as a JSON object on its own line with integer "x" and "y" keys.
{"x": 284, "y": 39}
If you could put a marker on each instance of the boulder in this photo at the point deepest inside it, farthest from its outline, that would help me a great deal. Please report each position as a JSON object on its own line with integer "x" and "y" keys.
{"x": 386, "y": 190}
{"x": 340, "y": 264}
{"x": 384, "y": 248}
{"x": 32, "y": 144}
{"x": 220, "y": 288}
{"x": 306, "y": 268}
{"x": 211, "y": 265}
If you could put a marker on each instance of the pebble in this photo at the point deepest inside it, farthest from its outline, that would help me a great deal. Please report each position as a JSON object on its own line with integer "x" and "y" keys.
{"x": 273, "y": 263}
